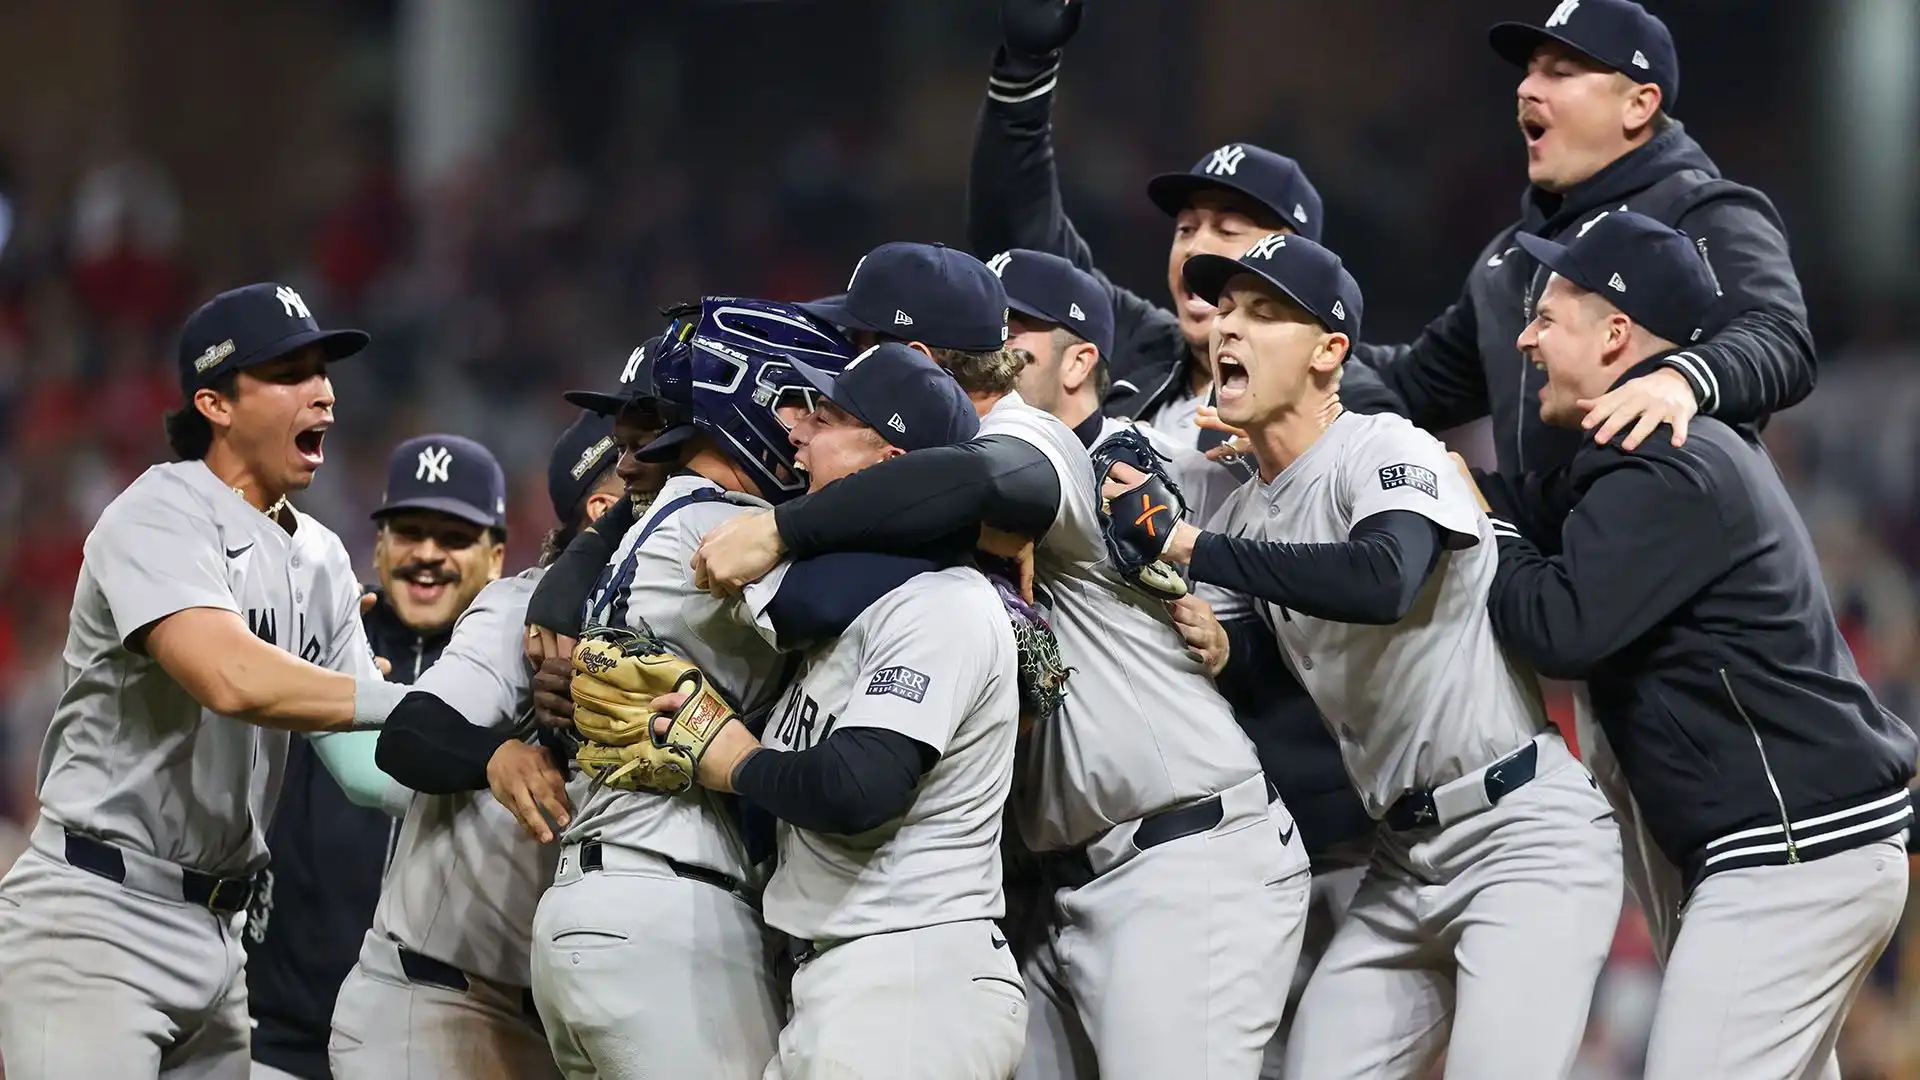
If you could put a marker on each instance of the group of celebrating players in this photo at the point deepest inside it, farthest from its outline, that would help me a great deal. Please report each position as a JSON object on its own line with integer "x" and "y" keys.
{"x": 988, "y": 673}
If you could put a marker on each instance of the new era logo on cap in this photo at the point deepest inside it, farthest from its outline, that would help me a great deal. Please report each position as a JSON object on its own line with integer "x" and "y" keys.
{"x": 901, "y": 318}
{"x": 1640, "y": 60}
{"x": 1339, "y": 311}
{"x": 1074, "y": 312}
{"x": 897, "y": 424}
{"x": 1616, "y": 284}
{"x": 1299, "y": 213}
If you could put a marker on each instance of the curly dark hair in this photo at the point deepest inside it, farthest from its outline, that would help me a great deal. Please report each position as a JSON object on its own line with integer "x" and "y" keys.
{"x": 189, "y": 433}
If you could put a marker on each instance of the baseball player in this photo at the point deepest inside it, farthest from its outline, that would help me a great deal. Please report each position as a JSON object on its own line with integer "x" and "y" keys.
{"x": 1227, "y": 200}
{"x": 1049, "y": 298}
{"x": 647, "y": 951}
{"x": 1495, "y": 887}
{"x": 888, "y": 763}
{"x": 1758, "y": 768}
{"x": 1595, "y": 110}
{"x": 441, "y": 531}
{"x": 210, "y": 619}
{"x": 441, "y": 985}
{"x": 1143, "y": 790}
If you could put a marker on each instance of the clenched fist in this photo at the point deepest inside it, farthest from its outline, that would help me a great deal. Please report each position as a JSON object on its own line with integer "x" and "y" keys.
{"x": 1038, "y": 27}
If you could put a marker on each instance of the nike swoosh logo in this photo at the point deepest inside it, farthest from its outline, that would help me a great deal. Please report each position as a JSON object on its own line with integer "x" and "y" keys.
{"x": 999, "y": 943}
{"x": 1287, "y": 836}
{"x": 234, "y": 553}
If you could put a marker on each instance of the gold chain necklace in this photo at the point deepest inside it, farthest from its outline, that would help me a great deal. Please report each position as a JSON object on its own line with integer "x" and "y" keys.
{"x": 271, "y": 511}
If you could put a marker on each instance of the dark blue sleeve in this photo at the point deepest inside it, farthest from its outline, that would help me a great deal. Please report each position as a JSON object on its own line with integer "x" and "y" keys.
{"x": 856, "y": 779}
{"x": 821, "y": 596}
{"x": 1372, "y": 577}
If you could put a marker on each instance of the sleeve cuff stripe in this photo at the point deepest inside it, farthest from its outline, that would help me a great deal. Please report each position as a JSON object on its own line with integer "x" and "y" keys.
{"x": 1000, "y": 82}
{"x": 1702, "y": 377}
{"x": 1043, "y": 90}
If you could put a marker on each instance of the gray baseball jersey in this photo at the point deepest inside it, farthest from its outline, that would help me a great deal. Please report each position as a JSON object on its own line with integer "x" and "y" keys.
{"x": 1205, "y": 484}
{"x": 130, "y": 757}
{"x": 1427, "y": 699}
{"x": 1142, "y": 728}
{"x": 934, "y": 660}
{"x": 651, "y": 585}
{"x": 465, "y": 878}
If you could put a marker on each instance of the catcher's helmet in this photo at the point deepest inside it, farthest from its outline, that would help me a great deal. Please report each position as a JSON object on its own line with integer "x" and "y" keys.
{"x": 730, "y": 362}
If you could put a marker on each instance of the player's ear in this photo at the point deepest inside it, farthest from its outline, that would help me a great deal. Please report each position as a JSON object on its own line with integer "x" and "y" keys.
{"x": 496, "y": 554}
{"x": 599, "y": 503}
{"x": 215, "y": 406}
{"x": 922, "y": 349}
{"x": 1077, "y": 366}
{"x": 1330, "y": 353}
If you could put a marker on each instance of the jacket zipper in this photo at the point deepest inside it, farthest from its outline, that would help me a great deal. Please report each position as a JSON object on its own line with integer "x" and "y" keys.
{"x": 1786, "y": 827}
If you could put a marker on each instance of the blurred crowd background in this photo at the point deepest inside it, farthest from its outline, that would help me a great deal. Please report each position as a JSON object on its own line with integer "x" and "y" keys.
{"x": 503, "y": 192}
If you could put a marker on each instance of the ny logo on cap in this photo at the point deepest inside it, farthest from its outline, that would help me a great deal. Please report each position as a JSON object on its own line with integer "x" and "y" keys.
{"x": 433, "y": 464}
{"x": 1562, "y": 13}
{"x": 1226, "y": 160}
{"x": 634, "y": 360}
{"x": 290, "y": 301}
{"x": 998, "y": 264}
{"x": 1073, "y": 311}
{"x": 1264, "y": 247}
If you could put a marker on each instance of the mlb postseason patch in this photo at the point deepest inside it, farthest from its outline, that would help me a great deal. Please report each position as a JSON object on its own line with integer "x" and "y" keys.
{"x": 1412, "y": 476}
{"x": 900, "y": 682}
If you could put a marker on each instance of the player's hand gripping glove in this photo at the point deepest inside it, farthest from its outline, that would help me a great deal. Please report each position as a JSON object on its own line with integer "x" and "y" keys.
{"x": 616, "y": 675}
{"x": 1138, "y": 523}
{"x": 1038, "y": 27}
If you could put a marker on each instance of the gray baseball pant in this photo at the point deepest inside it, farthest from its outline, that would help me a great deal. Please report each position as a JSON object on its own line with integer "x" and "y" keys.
{"x": 640, "y": 973}
{"x": 105, "y": 983}
{"x": 386, "y": 1026}
{"x": 1482, "y": 938}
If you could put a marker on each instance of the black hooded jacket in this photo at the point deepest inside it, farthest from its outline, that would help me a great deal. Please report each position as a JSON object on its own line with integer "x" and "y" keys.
{"x": 1757, "y": 357}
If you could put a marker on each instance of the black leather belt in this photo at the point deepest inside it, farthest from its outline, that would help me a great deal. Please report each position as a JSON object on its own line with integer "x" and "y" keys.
{"x": 426, "y": 971}
{"x": 1417, "y": 810}
{"x": 1073, "y": 868}
{"x": 227, "y": 896}
{"x": 591, "y": 860}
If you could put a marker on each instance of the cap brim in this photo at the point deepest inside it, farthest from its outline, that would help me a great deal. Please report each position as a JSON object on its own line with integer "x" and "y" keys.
{"x": 666, "y": 447}
{"x": 465, "y": 511}
{"x": 834, "y": 311}
{"x": 820, "y": 380}
{"x": 1029, "y": 311}
{"x": 1173, "y": 192}
{"x": 1207, "y": 276}
{"x": 1515, "y": 42}
{"x": 334, "y": 345}
{"x": 1554, "y": 257}
{"x": 595, "y": 401}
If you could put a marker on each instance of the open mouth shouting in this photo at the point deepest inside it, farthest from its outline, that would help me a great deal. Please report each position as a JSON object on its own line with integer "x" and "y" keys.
{"x": 1230, "y": 376}
{"x": 308, "y": 444}
{"x": 1533, "y": 129}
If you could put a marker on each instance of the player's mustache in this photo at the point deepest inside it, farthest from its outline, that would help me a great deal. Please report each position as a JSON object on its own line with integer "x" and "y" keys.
{"x": 424, "y": 573}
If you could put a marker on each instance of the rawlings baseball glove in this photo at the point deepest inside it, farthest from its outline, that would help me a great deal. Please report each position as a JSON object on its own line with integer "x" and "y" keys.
{"x": 616, "y": 675}
{"x": 1138, "y": 522}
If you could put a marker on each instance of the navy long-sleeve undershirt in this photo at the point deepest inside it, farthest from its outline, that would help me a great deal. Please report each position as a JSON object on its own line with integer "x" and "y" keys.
{"x": 1372, "y": 577}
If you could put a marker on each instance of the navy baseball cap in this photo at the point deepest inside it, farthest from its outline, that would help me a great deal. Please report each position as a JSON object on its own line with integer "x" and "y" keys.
{"x": 1617, "y": 33}
{"x": 1651, "y": 272}
{"x": 1308, "y": 273}
{"x": 635, "y": 382}
{"x": 900, "y": 392}
{"x": 582, "y": 454}
{"x": 1275, "y": 181}
{"x": 252, "y": 325}
{"x": 1050, "y": 289}
{"x": 448, "y": 474}
{"x": 928, "y": 293}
